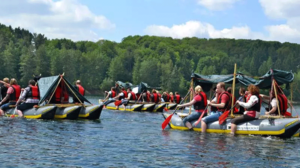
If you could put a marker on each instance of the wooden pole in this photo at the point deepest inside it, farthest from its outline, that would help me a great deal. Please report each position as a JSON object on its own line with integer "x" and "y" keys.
{"x": 233, "y": 88}
{"x": 275, "y": 90}
{"x": 291, "y": 98}
{"x": 191, "y": 95}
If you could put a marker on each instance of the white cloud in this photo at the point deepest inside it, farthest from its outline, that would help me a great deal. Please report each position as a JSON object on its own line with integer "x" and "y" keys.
{"x": 287, "y": 10}
{"x": 203, "y": 30}
{"x": 217, "y": 5}
{"x": 55, "y": 19}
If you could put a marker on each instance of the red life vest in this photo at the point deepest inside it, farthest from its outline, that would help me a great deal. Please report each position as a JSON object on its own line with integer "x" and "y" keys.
{"x": 168, "y": 97}
{"x": 133, "y": 96}
{"x": 113, "y": 94}
{"x": 58, "y": 94}
{"x": 283, "y": 105}
{"x": 80, "y": 89}
{"x": 227, "y": 104}
{"x": 125, "y": 94}
{"x": 172, "y": 98}
{"x": 66, "y": 97}
{"x": 33, "y": 93}
{"x": 16, "y": 94}
{"x": 148, "y": 97}
{"x": 155, "y": 98}
{"x": 201, "y": 105}
{"x": 177, "y": 98}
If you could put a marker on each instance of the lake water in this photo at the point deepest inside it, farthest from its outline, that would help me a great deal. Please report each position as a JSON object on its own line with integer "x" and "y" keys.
{"x": 133, "y": 139}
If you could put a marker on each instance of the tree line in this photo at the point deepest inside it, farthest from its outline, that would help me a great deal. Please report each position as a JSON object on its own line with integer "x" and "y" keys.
{"x": 158, "y": 61}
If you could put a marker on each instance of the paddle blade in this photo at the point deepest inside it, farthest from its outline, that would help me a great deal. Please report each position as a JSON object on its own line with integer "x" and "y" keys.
{"x": 223, "y": 117}
{"x": 197, "y": 122}
{"x": 166, "y": 109}
{"x": 166, "y": 122}
{"x": 287, "y": 114}
{"x": 117, "y": 103}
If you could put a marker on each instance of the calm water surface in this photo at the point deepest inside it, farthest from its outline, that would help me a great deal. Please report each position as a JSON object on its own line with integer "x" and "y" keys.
{"x": 132, "y": 139}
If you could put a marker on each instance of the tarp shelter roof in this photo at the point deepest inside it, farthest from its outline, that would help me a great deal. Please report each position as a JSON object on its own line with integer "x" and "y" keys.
{"x": 137, "y": 88}
{"x": 48, "y": 85}
{"x": 124, "y": 85}
{"x": 264, "y": 82}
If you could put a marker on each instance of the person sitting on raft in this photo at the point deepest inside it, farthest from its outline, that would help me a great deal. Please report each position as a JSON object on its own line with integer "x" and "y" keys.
{"x": 32, "y": 96}
{"x": 223, "y": 104}
{"x": 13, "y": 94}
{"x": 171, "y": 97}
{"x": 155, "y": 97}
{"x": 121, "y": 96}
{"x": 131, "y": 96}
{"x": 252, "y": 107}
{"x": 110, "y": 96}
{"x": 242, "y": 98}
{"x": 200, "y": 102}
{"x": 282, "y": 102}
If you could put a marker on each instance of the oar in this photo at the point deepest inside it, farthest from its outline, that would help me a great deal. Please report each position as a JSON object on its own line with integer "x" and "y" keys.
{"x": 197, "y": 122}
{"x": 13, "y": 116}
{"x": 167, "y": 120}
{"x": 118, "y": 102}
{"x": 224, "y": 116}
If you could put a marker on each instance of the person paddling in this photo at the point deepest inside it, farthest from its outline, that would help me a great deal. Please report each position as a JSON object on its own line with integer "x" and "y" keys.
{"x": 282, "y": 102}
{"x": 32, "y": 96}
{"x": 200, "y": 102}
{"x": 252, "y": 107}
{"x": 223, "y": 104}
{"x": 13, "y": 94}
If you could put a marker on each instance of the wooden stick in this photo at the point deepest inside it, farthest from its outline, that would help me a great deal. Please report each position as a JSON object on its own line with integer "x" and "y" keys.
{"x": 54, "y": 90}
{"x": 191, "y": 95}
{"x": 233, "y": 87}
{"x": 276, "y": 97}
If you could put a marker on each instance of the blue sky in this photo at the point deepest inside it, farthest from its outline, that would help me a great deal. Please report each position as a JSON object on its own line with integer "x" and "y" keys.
{"x": 276, "y": 20}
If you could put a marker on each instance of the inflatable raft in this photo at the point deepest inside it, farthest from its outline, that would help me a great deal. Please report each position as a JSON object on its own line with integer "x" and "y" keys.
{"x": 39, "y": 112}
{"x": 281, "y": 127}
{"x": 91, "y": 112}
{"x": 67, "y": 111}
{"x": 171, "y": 106}
{"x": 159, "y": 107}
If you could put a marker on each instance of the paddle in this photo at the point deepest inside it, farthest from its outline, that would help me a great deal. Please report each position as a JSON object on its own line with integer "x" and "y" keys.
{"x": 197, "y": 122}
{"x": 224, "y": 116}
{"x": 167, "y": 120}
{"x": 118, "y": 102}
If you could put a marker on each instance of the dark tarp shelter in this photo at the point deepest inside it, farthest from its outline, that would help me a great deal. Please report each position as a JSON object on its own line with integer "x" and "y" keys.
{"x": 264, "y": 82}
{"x": 48, "y": 85}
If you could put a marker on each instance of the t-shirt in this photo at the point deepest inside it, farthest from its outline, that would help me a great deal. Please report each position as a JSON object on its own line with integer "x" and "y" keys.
{"x": 274, "y": 103}
{"x": 224, "y": 98}
{"x": 10, "y": 90}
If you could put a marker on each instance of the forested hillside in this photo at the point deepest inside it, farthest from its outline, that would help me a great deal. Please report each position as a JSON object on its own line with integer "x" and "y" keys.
{"x": 158, "y": 61}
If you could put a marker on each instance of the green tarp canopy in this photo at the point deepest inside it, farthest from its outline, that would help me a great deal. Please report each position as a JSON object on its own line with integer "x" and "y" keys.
{"x": 124, "y": 85}
{"x": 264, "y": 82}
{"x": 48, "y": 85}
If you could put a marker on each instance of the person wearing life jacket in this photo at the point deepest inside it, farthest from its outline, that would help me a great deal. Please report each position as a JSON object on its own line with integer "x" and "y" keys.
{"x": 252, "y": 107}
{"x": 177, "y": 98}
{"x": 110, "y": 96}
{"x": 159, "y": 96}
{"x": 282, "y": 102}
{"x": 146, "y": 96}
{"x": 223, "y": 103}
{"x": 121, "y": 95}
{"x": 31, "y": 95}
{"x": 235, "y": 109}
{"x": 242, "y": 98}
{"x": 131, "y": 96}
{"x": 12, "y": 94}
{"x": 214, "y": 100}
{"x": 166, "y": 96}
{"x": 80, "y": 89}
{"x": 3, "y": 89}
{"x": 171, "y": 97}
{"x": 154, "y": 96}
{"x": 200, "y": 102}
{"x": 58, "y": 96}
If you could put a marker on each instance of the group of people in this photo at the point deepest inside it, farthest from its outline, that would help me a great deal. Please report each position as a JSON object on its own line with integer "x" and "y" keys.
{"x": 23, "y": 99}
{"x": 249, "y": 105}
{"x": 121, "y": 94}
